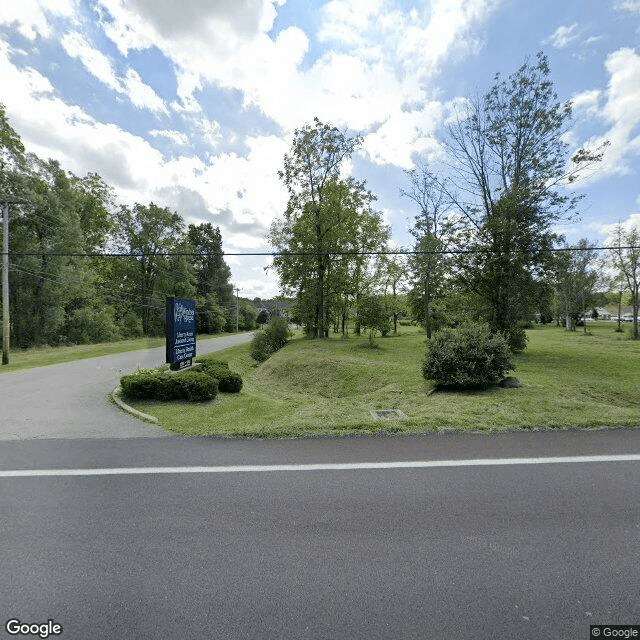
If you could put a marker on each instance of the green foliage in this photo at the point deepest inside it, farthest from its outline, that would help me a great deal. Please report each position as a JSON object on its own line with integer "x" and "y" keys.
{"x": 273, "y": 337}
{"x": 92, "y": 324}
{"x": 372, "y": 317}
{"x": 157, "y": 385}
{"x": 261, "y": 347}
{"x": 468, "y": 357}
{"x": 195, "y": 386}
{"x": 247, "y": 315}
{"x": 60, "y": 296}
{"x": 211, "y": 317}
{"x": 277, "y": 331}
{"x": 228, "y": 381}
{"x": 514, "y": 158}
{"x": 326, "y": 229}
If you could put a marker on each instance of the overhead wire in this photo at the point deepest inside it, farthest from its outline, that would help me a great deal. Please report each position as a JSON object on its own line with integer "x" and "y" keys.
{"x": 192, "y": 254}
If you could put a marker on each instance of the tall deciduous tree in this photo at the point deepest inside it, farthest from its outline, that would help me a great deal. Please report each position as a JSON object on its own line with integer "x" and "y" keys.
{"x": 512, "y": 167}
{"x": 313, "y": 163}
{"x": 433, "y": 230}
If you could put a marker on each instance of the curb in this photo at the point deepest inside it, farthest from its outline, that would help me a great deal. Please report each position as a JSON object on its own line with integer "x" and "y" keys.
{"x": 115, "y": 395}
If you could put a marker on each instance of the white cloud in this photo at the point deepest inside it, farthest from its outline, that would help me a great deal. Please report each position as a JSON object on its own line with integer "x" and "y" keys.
{"x": 586, "y": 102}
{"x": 94, "y": 61}
{"x": 177, "y": 137}
{"x": 32, "y": 16}
{"x": 564, "y": 35}
{"x": 619, "y": 110}
{"x": 100, "y": 66}
{"x": 141, "y": 94}
{"x": 628, "y": 5}
{"x": 383, "y": 59}
{"x": 608, "y": 230}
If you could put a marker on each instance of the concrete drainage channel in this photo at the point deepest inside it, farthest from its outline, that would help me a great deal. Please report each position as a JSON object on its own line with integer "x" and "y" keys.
{"x": 387, "y": 414}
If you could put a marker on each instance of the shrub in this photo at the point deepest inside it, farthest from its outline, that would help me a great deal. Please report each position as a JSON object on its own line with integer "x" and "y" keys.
{"x": 195, "y": 385}
{"x": 143, "y": 384}
{"x": 467, "y": 357}
{"x": 156, "y": 385}
{"x": 261, "y": 347}
{"x": 228, "y": 381}
{"x": 231, "y": 383}
{"x": 273, "y": 337}
{"x": 278, "y": 333}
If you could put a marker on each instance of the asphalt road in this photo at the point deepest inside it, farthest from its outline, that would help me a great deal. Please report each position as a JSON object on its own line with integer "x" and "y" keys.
{"x": 71, "y": 400}
{"x": 524, "y": 551}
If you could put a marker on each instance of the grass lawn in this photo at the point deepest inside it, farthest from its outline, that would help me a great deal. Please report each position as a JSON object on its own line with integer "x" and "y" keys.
{"x": 330, "y": 387}
{"x": 42, "y": 356}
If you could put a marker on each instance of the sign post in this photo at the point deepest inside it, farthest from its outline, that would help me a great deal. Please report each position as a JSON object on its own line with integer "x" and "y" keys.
{"x": 180, "y": 332}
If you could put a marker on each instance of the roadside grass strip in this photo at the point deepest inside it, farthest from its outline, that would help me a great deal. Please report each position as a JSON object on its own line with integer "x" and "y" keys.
{"x": 334, "y": 387}
{"x": 343, "y": 466}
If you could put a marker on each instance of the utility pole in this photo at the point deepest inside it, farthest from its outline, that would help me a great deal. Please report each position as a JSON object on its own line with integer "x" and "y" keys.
{"x": 5, "y": 284}
{"x": 6, "y": 325}
{"x": 237, "y": 307}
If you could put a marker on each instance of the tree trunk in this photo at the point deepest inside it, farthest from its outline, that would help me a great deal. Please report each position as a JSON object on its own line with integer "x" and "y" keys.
{"x": 427, "y": 314}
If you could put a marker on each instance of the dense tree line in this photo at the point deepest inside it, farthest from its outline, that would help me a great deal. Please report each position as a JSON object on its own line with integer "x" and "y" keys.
{"x": 61, "y": 292}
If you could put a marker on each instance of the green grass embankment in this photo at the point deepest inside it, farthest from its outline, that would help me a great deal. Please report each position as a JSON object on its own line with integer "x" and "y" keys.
{"x": 330, "y": 387}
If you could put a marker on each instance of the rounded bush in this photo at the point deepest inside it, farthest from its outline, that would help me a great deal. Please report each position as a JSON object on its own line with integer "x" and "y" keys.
{"x": 231, "y": 383}
{"x": 467, "y": 357}
{"x": 195, "y": 386}
{"x": 228, "y": 381}
{"x": 145, "y": 385}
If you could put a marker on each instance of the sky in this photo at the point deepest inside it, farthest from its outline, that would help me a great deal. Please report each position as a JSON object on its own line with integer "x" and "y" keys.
{"x": 193, "y": 104}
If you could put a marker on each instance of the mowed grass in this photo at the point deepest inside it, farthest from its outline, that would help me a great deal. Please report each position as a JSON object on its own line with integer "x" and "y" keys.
{"x": 330, "y": 387}
{"x": 43, "y": 356}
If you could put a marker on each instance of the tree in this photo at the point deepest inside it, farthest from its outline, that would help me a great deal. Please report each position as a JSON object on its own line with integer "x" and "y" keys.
{"x": 372, "y": 316}
{"x": 625, "y": 258}
{"x": 12, "y": 157}
{"x": 576, "y": 282}
{"x": 263, "y": 317}
{"x": 344, "y": 229}
{"x": 395, "y": 272}
{"x": 432, "y": 229}
{"x": 212, "y": 272}
{"x": 95, "y": 206}
{"x": 50, "y": 283}
{"x": 511, "y": 165}
{"x": 247, "y": 315}
{"x": 311, "y": 169}
{"x": 148, "y": 233}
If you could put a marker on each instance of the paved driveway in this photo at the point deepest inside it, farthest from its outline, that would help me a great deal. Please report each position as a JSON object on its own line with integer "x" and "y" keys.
{"x": 71, "y": 400}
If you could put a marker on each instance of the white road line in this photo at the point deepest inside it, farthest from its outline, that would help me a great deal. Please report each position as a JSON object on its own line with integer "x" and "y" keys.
{"x": 349, "y": 466}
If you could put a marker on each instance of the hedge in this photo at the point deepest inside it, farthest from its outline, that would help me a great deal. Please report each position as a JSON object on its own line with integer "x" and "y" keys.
{"x": 156, "y": 385}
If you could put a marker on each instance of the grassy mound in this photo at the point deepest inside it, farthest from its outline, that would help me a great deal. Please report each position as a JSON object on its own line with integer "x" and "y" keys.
{"x": 331, "y": 387}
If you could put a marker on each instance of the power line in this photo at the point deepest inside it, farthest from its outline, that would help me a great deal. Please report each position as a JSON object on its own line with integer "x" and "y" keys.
{"x": 274, "y": 254}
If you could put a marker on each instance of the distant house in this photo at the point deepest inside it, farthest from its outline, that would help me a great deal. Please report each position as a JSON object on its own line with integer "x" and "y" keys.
{"x": 603, "y": 314}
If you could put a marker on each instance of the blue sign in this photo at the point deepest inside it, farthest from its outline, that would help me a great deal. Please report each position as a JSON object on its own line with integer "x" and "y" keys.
{"x": 181, "y": 332}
